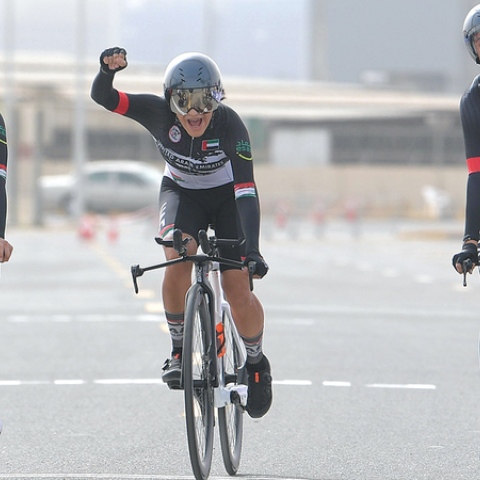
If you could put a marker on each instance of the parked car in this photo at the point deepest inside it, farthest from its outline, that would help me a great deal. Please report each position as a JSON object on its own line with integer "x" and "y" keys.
{"x": 108, "y": 186}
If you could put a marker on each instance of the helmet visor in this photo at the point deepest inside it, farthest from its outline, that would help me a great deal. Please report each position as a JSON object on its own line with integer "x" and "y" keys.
{"x": 203, "y": 100}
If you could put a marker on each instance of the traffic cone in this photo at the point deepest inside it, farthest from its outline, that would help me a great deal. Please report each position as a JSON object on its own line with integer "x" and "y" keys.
{"x": 112, "y": 233}
{"x": 86, "y": 230}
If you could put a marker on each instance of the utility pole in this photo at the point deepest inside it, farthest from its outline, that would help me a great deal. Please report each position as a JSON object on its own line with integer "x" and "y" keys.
{"x": 208, "y": 34}
{"x": 79, "y": 140}
{"x": 318, "y": 40}
{"x": 10, "y": 109}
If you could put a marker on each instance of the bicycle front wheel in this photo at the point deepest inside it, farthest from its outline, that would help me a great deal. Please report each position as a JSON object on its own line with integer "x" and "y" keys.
{"x": 230, "y": 417}
{"x": 197, "y": 382}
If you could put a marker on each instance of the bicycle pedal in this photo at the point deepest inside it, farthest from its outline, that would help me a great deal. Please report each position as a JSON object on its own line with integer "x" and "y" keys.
{"x": 174, "y": 385}
{"x": 239, "y": 395}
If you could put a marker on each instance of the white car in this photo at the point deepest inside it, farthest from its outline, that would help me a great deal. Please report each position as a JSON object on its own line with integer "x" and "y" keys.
{"x": 108, "y": 186}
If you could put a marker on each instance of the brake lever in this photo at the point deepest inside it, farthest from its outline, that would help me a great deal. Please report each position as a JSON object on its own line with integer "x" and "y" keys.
{"x": 137, "y": 271}
{"x": 252, "y": 266}
{"x": 466, "y": 267}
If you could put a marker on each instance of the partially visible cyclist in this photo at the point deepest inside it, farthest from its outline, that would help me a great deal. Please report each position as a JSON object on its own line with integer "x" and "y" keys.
{"x": 6, "y": 248}
{"x": 470, "y": 116}
{"x": 208, "y": 180}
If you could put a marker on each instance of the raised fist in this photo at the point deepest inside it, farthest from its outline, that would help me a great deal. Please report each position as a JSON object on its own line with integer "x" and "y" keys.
{"x": 113, "y": 60}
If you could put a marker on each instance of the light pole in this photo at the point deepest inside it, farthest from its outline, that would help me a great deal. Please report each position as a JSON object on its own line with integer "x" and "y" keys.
{"x": 79, "y": 137}
{"x": 10, "y": 108}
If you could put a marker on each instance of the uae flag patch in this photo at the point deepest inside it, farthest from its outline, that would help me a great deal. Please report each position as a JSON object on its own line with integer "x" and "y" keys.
{"x": 210, "y": 144}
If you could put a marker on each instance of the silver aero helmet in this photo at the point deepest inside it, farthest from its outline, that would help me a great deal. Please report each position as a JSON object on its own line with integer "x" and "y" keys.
{"x": 471, "y": 26}
{"x": 193, "y": 80}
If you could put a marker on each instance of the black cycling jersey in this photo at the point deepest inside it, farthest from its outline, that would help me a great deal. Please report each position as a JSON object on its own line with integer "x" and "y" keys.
{"x": 3, "y": 177}
{"x": 221, "y": 156}
{"x": 470, "y": 116}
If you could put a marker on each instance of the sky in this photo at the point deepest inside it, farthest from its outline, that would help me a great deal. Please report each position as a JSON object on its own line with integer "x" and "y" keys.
{"x": 255, "y": 38}
{"x": 244, "y": 34}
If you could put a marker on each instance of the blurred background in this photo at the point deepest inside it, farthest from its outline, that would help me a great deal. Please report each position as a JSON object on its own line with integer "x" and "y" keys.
{"x": 352, "y": 106}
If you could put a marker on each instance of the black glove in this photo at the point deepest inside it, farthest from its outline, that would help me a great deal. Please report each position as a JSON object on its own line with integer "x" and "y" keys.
{"x": 469, "y": 252}
{"x": 261, "y": 267}
{"x": 108, "y": 53}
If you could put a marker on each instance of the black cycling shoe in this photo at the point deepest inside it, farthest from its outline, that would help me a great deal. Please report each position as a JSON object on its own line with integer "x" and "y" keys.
{"x": 172, "y": 369}
{"x": 260, "y": 393}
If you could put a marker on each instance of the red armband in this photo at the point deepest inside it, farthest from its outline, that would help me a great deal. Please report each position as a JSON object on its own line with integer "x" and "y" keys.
{"x": 473, "y": 164}
{"x": 123, "y": 104}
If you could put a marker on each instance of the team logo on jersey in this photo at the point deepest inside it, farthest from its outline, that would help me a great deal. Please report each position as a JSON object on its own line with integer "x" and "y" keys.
{"x": 210, "y": 144}
{"x": 243, "y": 150}
{"x": 175, "y": 134}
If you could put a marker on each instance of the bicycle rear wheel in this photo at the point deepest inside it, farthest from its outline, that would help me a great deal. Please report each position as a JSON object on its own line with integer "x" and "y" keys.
{"x": 230, "y": 417}
{"x": 198, "y": 390}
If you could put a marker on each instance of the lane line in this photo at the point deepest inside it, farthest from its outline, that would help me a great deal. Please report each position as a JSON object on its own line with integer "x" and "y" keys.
{"x": 295, "y": 383}
{"x": 130, "y": 381}
{"x": 122, "y": 381}
{"x": 284, "y": 310}
{"x": 158, "y": 381}
{"x": 336, "y": 384}
{"x": 87, "y": 318}
{"x": 276, "y": 314}
{"x": 413, "y": 386}
{"x": 119, "y": 476}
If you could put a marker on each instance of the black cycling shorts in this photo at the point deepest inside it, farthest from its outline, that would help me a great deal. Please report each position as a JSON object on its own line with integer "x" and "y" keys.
{"x": 192, "y": 210}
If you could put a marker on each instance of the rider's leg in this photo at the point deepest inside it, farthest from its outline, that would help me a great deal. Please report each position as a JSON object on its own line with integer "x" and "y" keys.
{"x": 176, "y": 282}
{"x": 247, "y": 311}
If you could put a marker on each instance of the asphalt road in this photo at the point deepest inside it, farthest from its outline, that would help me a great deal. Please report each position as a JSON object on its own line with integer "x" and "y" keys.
{"x": 373, "y": 344}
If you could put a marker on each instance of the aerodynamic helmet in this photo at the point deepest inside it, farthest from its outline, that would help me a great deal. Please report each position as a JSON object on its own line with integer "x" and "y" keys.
{"x": 471, "y": 26}
{"x": 193, "y": 80}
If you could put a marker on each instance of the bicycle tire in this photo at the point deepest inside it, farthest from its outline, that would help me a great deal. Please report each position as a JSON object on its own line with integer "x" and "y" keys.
{"x": 198, "y": 389}
{"x": 230, "y": 417}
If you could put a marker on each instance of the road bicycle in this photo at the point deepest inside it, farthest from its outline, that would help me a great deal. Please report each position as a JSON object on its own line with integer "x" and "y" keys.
{"x": 213, "y": 359}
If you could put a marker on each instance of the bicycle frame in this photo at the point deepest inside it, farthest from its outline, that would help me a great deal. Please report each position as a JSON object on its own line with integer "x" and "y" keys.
{"x": 207, "y": 274}
{"x": 220, "y": 310}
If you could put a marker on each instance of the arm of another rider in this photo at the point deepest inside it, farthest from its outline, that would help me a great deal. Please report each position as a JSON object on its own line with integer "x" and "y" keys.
{"x": 5, "y": 247}
{"x": 472, "y": 225}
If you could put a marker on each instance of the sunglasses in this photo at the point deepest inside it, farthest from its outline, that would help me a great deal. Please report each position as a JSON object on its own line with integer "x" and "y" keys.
{"x": 202, "y": 100}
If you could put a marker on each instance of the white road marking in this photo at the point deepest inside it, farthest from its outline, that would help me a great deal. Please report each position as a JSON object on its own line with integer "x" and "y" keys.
{"x": 69, "y": 382}
{"x": 119, "y": 476}
{"x": 283, "y": 310}
{"x": 276, "y": 314}
{"x": 92, "y": 318}
{"x": 336, "y": 384}
{"x": 293, "y": 382}
{"x": 158, "y": 381}
{"x": 424, "y": 279}
{"x": 413, "y": 386}
{"x": 390, "y": 273}
{"x": 130, "y": 381}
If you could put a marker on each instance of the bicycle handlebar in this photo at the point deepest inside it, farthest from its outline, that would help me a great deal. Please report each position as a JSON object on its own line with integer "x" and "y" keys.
{"x": 209, "y": 247}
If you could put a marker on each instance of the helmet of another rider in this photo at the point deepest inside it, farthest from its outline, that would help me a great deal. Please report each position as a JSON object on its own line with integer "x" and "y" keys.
{"x": 193, "y": 80}
{"x": 471, "y": 26}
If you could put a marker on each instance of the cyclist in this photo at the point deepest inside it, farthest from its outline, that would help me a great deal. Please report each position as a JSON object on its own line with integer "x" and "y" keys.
{"x": 5, "y": 247}
{"x": 470, "y": 116}
{"x": 208, "y": 180}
